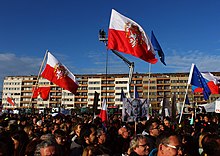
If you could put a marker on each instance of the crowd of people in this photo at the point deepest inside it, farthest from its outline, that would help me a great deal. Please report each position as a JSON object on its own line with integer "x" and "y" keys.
{"x": 84, "y": 135}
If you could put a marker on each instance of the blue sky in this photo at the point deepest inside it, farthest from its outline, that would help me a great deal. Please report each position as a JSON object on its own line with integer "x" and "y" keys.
{"x": 188, "y": 32}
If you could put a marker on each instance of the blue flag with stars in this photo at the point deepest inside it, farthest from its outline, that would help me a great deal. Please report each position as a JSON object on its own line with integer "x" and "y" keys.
{"x": 157, "y": 48}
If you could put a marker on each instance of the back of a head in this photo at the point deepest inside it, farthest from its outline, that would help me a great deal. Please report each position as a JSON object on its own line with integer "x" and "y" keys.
{"x": 48, "y": 136}
{"x": 85, "y": 131}
{"x": 44, "y": 144}
{"x": 93, "y": 151}
{"x": 31, "y": 147}
{"x": 60, "y": 133}
{"x": 211, "y": 144}
{"x": 163, "y": 137}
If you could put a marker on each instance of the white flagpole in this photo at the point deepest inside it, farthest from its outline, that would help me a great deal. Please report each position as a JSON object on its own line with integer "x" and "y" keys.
{"x": 189, "y": 82}
{"x": 42, "y": 65}
{"x": 181, "y": 113}
{"x": 148, "y": 90}
{"x": 39, "y": 75}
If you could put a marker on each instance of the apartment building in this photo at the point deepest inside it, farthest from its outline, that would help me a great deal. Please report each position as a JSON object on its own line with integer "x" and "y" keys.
{"x": 153, "y": 86}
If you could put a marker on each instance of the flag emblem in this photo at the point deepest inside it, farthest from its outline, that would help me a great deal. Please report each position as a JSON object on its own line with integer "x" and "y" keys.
{"x": 60, "y": 71}
{"x": 134, "y": 35}
{"x": 127, "y": 36}
{"x": 57, "y": 73}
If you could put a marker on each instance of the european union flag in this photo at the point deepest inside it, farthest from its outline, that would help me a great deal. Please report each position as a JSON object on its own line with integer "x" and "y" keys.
{"x": 157, "y": 48}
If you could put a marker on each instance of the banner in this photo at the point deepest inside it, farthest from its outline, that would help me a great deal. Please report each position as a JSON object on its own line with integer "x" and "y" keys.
{"x": 134, "y": 109}
{"x": 217, "y": 107}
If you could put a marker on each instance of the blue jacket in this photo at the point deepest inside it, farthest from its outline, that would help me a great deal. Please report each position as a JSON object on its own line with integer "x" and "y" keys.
{"x": 153, "y": 152}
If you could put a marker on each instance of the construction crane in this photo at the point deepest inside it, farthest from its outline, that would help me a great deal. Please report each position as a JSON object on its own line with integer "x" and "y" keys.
{"x": 103, "y": 38}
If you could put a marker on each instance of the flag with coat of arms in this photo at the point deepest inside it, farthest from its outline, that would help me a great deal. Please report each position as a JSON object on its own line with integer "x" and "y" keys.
{"x": 58, "y": 73}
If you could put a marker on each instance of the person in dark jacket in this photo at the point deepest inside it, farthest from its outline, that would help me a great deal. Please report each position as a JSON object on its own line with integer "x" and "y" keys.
{"x": 87, "y": 137}
{"x": 122, "y": 142}
{"x": 153, "y": 131}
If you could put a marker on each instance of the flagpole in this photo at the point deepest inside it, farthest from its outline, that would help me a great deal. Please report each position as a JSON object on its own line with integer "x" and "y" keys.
{"x": 42, "y": 65}
{"x": 148, "y": 89}
{"x": 187, "y": 87}
{"x": 38, "y": 76}
{"x": 181, "y": 113}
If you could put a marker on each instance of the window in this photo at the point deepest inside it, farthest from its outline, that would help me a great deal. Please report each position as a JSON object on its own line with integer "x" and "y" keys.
{"x": 94, "y": 82}
{"x": 121, "y": 82}
{"x": 139, "y": 82}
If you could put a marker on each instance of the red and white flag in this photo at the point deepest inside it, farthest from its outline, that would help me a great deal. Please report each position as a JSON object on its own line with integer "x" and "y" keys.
{"x": 103, "y": 113}
{"x": 42, "y": 91}
{"x": 127, "y": 36}
{"x": 57, "y": 73}
{"x": 10, "y": 100}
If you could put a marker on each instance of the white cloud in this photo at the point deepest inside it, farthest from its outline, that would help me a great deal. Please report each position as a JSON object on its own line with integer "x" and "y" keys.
{"x": 12, "y": 65}
{"x": 181, "y": 62}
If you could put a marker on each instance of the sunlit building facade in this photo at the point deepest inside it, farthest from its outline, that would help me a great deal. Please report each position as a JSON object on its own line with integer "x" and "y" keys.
{"x": 149, "y": 86}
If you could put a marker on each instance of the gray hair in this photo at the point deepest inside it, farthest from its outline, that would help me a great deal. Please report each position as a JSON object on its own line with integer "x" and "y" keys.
{"x": 99, "y": 132}
{"x": 43, "y": 144}
{"x": 135, "y": 141}
{"x": 48, "y": 136}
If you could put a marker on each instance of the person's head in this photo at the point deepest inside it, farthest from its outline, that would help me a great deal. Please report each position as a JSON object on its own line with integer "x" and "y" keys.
{"x": 123, "y": 131}
{"x": 139, "y": 145}
{"x": 23, "y": 121}
{"x": 28, "y": 129}
{"x": 47, "y": 148}
{"x": 93, "y": 150}
{"x": 55, "y": 127}
{"x": 20, "y": 139}
{"x": 215, "y": 119}
{"x": 101, "y": 136}
{"x": 211, "y": 144}
{"x": 153, "y": 128}
{"x": 167, "y": 123}
{"x": 77, "y": 129}
{"x": 48, "y": 136}
{"x": 87, "y": 135}
{"x": 45, "y": 128}
{"x": 60, "y": 136}
{"x": 39, "y": 123}
{"x": 168, "y": 144}
{"x": 206, "y": 119}
{"x": 31, "y": 147}
{"x": 161, "y": 127}
{"x": 34, "y": 120}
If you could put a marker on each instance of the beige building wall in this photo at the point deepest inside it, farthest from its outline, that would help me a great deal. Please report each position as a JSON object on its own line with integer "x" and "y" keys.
{"x": 154, "y": 87}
